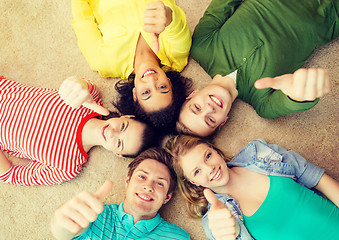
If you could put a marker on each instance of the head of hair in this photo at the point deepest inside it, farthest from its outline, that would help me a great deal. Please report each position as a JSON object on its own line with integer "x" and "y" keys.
{"x": 179, "y": 146}
{"x": 160, "y": 155}
{"x": 163, "y": 119}
{"x": 149, "y": 138}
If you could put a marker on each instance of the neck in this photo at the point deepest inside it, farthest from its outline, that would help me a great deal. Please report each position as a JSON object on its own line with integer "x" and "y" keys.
{"x": 234, "y": 183}
{"x": 89, "y": 137}
{"x": 136, "y": 217}
{"x": 144, "y": 54}
{"x": 227, "y": 83}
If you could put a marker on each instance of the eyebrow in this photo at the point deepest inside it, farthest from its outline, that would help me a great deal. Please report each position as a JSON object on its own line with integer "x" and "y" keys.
{"x": 147, "y": 173}
{"x": 148, "y": 97}
{"x": 122, "y": 142}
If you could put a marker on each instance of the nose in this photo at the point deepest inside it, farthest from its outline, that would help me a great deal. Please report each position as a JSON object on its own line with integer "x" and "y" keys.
{"x": 209, "y": 108}
{"x": 113, "y": 131}
{"x": 148, "y": 187}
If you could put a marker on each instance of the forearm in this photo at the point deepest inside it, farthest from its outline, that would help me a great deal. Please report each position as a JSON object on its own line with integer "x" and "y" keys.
{"x": 330, "y": 188}
{"x": 274, "y": 103}
{"x": 5, "y": 164}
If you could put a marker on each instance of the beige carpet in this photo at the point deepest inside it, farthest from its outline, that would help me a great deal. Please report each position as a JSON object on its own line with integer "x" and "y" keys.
{"x": 38, "y": 48}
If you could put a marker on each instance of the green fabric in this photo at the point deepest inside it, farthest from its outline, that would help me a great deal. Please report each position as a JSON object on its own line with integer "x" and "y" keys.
{"x": 263, "y": 38}
{"x": 292, "y": 211}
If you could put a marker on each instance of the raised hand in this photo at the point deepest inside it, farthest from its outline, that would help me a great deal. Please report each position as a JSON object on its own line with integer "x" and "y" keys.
{"x": 302, "y": 85}
{"x": 220, "y": 219}
{"x": 76, "y": 214}
{"x": 156, "y": 17}
{"x": 74, "y": 91}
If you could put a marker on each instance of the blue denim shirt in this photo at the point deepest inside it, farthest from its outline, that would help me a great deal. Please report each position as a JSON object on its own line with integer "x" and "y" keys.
{"x": 268, "y": 159}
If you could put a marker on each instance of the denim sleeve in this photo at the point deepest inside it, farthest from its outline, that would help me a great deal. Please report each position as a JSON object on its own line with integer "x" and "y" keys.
{"x": 305, "y": 172}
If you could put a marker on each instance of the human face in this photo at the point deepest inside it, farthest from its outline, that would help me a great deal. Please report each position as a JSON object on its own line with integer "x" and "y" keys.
{"x": 153, "y": 89}
{"x": 203, "y": 166}
{"x": 122, "y": 135}
{"x": 147, "y": 189}
{"x": 206, "y": 109}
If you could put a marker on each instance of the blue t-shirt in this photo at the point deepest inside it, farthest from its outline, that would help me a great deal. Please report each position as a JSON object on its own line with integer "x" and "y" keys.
{"x": 114, "y": 223}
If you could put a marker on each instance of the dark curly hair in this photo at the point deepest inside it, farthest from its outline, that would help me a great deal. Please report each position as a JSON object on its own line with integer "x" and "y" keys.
{"x": 150, "y": 137}
{"x": 165, "y": 119}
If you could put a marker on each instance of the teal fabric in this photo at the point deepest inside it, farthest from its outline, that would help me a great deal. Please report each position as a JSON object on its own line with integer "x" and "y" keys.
{"x": 263, "y": 38}
{"x": 292, "y": 211}
{"x": 114, "y": 223}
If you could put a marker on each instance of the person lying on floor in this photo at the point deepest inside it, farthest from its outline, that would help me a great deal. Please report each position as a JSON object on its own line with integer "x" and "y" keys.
{"x": 149, "y": 185}
{"x": 56, "y": 128}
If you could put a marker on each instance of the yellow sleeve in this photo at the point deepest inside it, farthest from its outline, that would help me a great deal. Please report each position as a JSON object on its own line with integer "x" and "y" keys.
{"x": 176, "y": 40}
{"x": 88, "y": 34}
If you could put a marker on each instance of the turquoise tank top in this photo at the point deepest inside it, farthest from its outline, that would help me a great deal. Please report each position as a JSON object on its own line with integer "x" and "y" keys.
{"x": 292, "y": 211}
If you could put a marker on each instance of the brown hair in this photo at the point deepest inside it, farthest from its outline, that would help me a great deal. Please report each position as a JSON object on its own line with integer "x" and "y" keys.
{"x": 193, "y": 195}
{"x": 157, "y": 154}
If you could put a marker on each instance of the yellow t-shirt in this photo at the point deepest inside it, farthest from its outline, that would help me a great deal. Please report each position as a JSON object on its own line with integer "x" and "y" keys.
{"x": 108, "y": 31}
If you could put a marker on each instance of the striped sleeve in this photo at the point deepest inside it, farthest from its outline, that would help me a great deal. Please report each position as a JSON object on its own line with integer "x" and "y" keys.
{"x": 36, "y": 173}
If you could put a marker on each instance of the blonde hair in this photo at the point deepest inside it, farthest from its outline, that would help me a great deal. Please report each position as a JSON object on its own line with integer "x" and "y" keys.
{"x": 193, "y": 195}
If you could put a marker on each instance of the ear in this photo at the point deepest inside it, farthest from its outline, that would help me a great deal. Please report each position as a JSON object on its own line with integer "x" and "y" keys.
{"x": 134, "y": 95}
{"x": 169, "y": 80}
{"x": 192, "y": 94}
{"x": 126, "y": 182}
{"x": 194, "y": 183}
{"x": 119, "y": 155}
{"x": 223, "y": 123}
{"x": 127, "y": 116}
{"x": 168, "y": 197}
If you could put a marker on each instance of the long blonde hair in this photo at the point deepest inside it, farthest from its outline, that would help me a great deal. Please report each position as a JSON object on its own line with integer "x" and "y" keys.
{"x": 193, "y": 195}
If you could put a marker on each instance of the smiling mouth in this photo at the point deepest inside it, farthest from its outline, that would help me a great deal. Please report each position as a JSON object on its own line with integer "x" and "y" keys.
{"x": 103, "y": 131}
{"x": 144, "y": 197}
{"x": 216, "y": 100}
{"x": 148, "y": 72}
{"x": 217, "y": 175}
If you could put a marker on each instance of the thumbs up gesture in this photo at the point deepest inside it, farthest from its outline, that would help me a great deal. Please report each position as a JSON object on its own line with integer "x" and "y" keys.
{"x": 76, "y": 214}
{"x": 220, "y": 219}
{"x": 157, "y": 16}
{"x": 302, "y": 85}
{"x": 74, "y": 91}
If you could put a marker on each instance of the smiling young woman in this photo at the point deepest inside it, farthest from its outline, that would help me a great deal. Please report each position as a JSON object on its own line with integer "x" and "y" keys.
{"x": 141, "y": 47}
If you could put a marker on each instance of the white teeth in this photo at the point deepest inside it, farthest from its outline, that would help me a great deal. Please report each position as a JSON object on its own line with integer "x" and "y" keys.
{"x": 216, "y": 100}
{"x": 216, "y": 175}
{"x": 144, "y": 197}
{"x": 148, "y": 73}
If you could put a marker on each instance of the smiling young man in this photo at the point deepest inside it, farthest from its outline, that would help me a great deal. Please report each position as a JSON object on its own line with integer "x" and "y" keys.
{"x": 262, "y": 45}
{"x": 149, "y": 185}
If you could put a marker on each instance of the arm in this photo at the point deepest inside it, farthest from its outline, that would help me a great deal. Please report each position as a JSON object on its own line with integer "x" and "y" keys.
{"x": 76, "y": 92}
{"x": 292, "y": 92}
{"x": 330, "y": 188}
{"x": 175, "y": 39}
{"x": 88, "y": 34}
{"x": 35, "y": 173}
{"x": 5, "y": 164}
{"x": 73, "y": 218}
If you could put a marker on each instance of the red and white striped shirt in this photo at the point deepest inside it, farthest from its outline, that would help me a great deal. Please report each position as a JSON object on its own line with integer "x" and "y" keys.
{"x": 35, "y": 123}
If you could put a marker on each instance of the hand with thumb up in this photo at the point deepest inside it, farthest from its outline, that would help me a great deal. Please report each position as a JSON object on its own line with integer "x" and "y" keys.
{"x": 220, "y": 219}
{"x": 73, "y": 217}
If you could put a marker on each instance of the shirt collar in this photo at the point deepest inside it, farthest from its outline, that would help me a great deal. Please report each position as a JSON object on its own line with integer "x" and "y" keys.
{"x": 127, "y": 219}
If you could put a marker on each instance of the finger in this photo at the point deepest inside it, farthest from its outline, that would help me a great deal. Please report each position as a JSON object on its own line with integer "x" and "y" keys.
{"x": 154, "y": 5}
{"x": 327, "y": 81}
{"x": 104, "y": 190}
{"x": 213, "y": 200}
{"x": 299, "y": 84}
{"x": 79, "y": 213}
{"x": 310, "y": 92}
{"x": 68, "y": 223}
{"x": 91, "y": 104}
{"x": 155, "y": 42}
